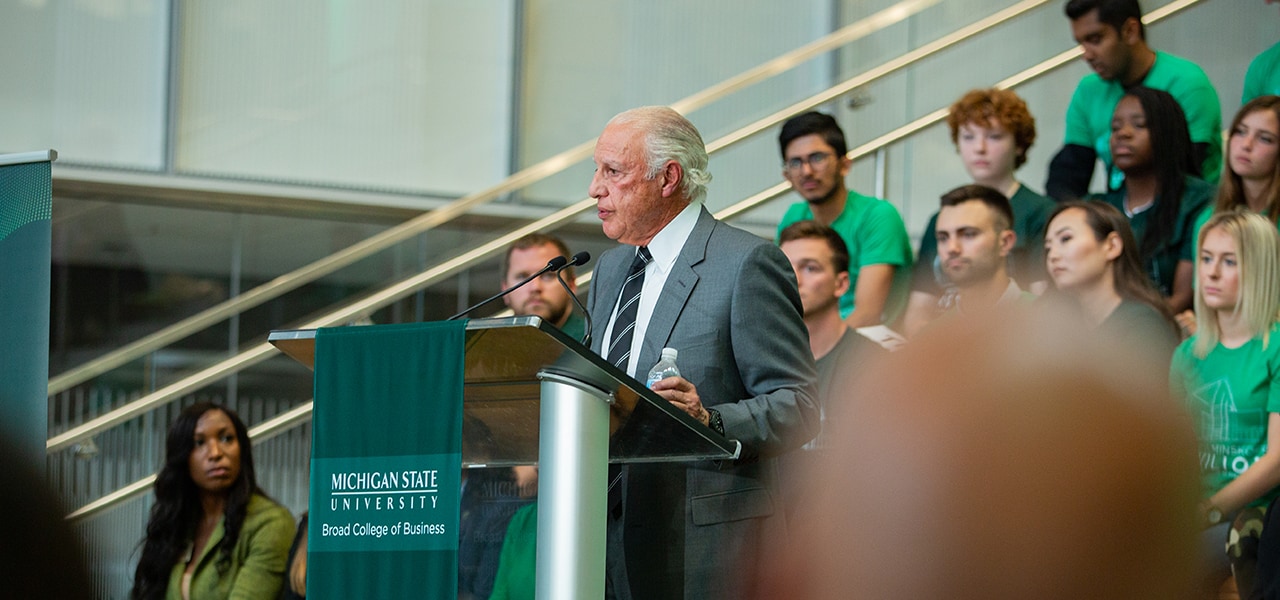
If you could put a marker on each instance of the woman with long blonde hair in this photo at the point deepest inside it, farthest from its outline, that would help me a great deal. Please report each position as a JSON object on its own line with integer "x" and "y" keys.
{"x": 1229, "y": 374}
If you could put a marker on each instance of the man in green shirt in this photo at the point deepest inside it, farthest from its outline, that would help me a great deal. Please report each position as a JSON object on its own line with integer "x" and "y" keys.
{"x": 1114, "y": 42}
{"x": 815, "y": 160}
{"x": 1263, "y": 76}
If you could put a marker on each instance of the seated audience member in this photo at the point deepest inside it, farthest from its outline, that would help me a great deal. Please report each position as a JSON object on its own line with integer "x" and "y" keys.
{"x": 213, "y": 533}
{"x": 1111, "y": 34}
{"x": 815, "y": 160}
{"x": 992, "y": 131}
{"x": 544, "y": 296}
{"x": 1090, "y": 253}
{"x": 974, "y": 233}
{"x": 821, "y": 264}
{"x": 1229, "y": 373}
{"x": 1160, "y": 195}
{"x": 1023, "y": 462}
{"x": 517, "y": 565}
{"x": 1251, "y": 177}
{"x": 1263, "y": 76}
{"x": 490, "y": 496}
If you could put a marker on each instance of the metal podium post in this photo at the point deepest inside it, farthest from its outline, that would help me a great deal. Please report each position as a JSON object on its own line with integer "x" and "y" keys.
{"x": 573, "y": 447}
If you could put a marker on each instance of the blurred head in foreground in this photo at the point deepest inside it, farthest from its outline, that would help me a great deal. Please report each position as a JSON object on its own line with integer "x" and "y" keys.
{"x": 1024, "y": 463}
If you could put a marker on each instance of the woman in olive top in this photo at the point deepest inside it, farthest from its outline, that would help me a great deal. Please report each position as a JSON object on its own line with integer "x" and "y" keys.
{"x": 1160, "y": 195}
{"x": 1091, "y": 257}
{"x": 1229, "y": 374}
{"x": 212, "y": 532}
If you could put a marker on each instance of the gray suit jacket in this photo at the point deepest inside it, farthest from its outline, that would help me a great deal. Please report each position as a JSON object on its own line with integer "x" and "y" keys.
{"x": 730, "y": 306}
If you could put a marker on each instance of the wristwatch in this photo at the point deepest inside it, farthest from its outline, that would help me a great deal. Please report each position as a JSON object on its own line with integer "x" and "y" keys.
{"x": 715, "y": 421}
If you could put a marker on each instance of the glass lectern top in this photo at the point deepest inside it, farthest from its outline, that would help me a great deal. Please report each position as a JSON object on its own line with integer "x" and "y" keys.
{"x": 501, "y": 396}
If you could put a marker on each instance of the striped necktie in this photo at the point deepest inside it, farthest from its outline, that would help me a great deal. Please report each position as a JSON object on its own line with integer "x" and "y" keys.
{"x": 624, "y": 326}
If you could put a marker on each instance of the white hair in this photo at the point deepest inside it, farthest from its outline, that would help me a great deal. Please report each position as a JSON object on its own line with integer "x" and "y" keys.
{"x": 670, "y": 136}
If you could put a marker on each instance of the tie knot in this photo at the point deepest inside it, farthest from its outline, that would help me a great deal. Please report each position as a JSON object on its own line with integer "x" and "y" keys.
{"x": 642, "y": 258}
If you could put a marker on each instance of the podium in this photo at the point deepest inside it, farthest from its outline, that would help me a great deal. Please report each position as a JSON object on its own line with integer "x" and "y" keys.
{"x": 556, "y": 404}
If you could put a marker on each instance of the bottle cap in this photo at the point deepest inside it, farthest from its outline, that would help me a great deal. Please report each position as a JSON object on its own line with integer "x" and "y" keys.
{"x": 670, "y": 354}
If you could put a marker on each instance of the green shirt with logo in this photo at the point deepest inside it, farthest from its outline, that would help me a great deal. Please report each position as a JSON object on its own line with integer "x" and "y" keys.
{"x": 1231, "y": 393}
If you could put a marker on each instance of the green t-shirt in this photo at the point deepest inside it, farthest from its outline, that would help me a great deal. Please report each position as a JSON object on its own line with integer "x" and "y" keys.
{"x": 875, "y": 234}
{"x": 1162, "y": 265}
{"x": 1026, "y": 262}
{"x": 1263, "y": 76}
{"x": 1231, "y": 393}
{"x": 1095, "y": 99}
{"x": 517, "y": 577}
{"x": 574, "y": 326}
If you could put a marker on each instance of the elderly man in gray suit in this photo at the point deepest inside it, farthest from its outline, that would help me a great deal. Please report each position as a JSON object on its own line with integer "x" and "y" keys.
{"x": 727, "y": 301}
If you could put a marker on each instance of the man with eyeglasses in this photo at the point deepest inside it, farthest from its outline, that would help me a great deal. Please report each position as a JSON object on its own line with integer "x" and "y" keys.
{"x": 815, "y": 161}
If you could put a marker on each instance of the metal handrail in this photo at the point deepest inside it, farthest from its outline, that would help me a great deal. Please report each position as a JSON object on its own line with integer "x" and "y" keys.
{"x": 896, "y": 135}
{"x": 302, "y": 413}
{"x": 427, "y": 221}
{"x": 258, "y": 353}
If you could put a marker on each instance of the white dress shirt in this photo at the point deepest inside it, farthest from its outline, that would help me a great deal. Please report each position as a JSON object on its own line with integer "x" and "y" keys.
{"x": 665, "y": 248}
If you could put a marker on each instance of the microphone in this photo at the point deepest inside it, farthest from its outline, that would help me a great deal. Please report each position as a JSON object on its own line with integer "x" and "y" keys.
{"x": 580, "y": 258}
{"x": 556, "y": 263}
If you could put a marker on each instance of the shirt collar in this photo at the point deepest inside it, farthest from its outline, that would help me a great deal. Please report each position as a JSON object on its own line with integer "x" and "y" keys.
{"x": 666, "y": 245}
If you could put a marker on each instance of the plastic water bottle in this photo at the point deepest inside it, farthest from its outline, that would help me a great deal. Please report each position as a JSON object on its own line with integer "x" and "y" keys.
{"x": 666, "y": 367}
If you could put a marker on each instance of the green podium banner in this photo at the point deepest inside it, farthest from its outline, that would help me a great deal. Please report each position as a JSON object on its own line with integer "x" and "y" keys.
{"x": 386, "y": 462}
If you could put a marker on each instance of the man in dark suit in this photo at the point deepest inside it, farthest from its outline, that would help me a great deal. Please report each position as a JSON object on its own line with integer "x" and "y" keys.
{"x": 727, "y": 301}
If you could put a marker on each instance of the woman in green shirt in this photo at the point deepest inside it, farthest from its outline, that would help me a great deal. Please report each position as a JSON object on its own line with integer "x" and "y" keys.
{"x": 1251, "y": 172}
{"x": 1229, "y": 373}
{"x": 1160, "y": 196}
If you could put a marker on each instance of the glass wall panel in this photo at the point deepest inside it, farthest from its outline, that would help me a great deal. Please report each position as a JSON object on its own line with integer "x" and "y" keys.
{"x": 87, "y": 79}
{"x": 635, "y": 54}
{"x": 391, "y": 94}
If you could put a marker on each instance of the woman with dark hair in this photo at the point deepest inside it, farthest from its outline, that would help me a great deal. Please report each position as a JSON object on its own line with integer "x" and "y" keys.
{"x": 1160, "y": 196}
{"x": 1089, "y": 251}
{"x": 1229, "y": 373}
{"x": 212, "y": 532}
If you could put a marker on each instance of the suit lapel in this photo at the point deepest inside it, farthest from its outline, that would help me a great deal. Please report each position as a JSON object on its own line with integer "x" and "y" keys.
{"x": 675, "y": 293}
{"x": 606, "y": 287}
